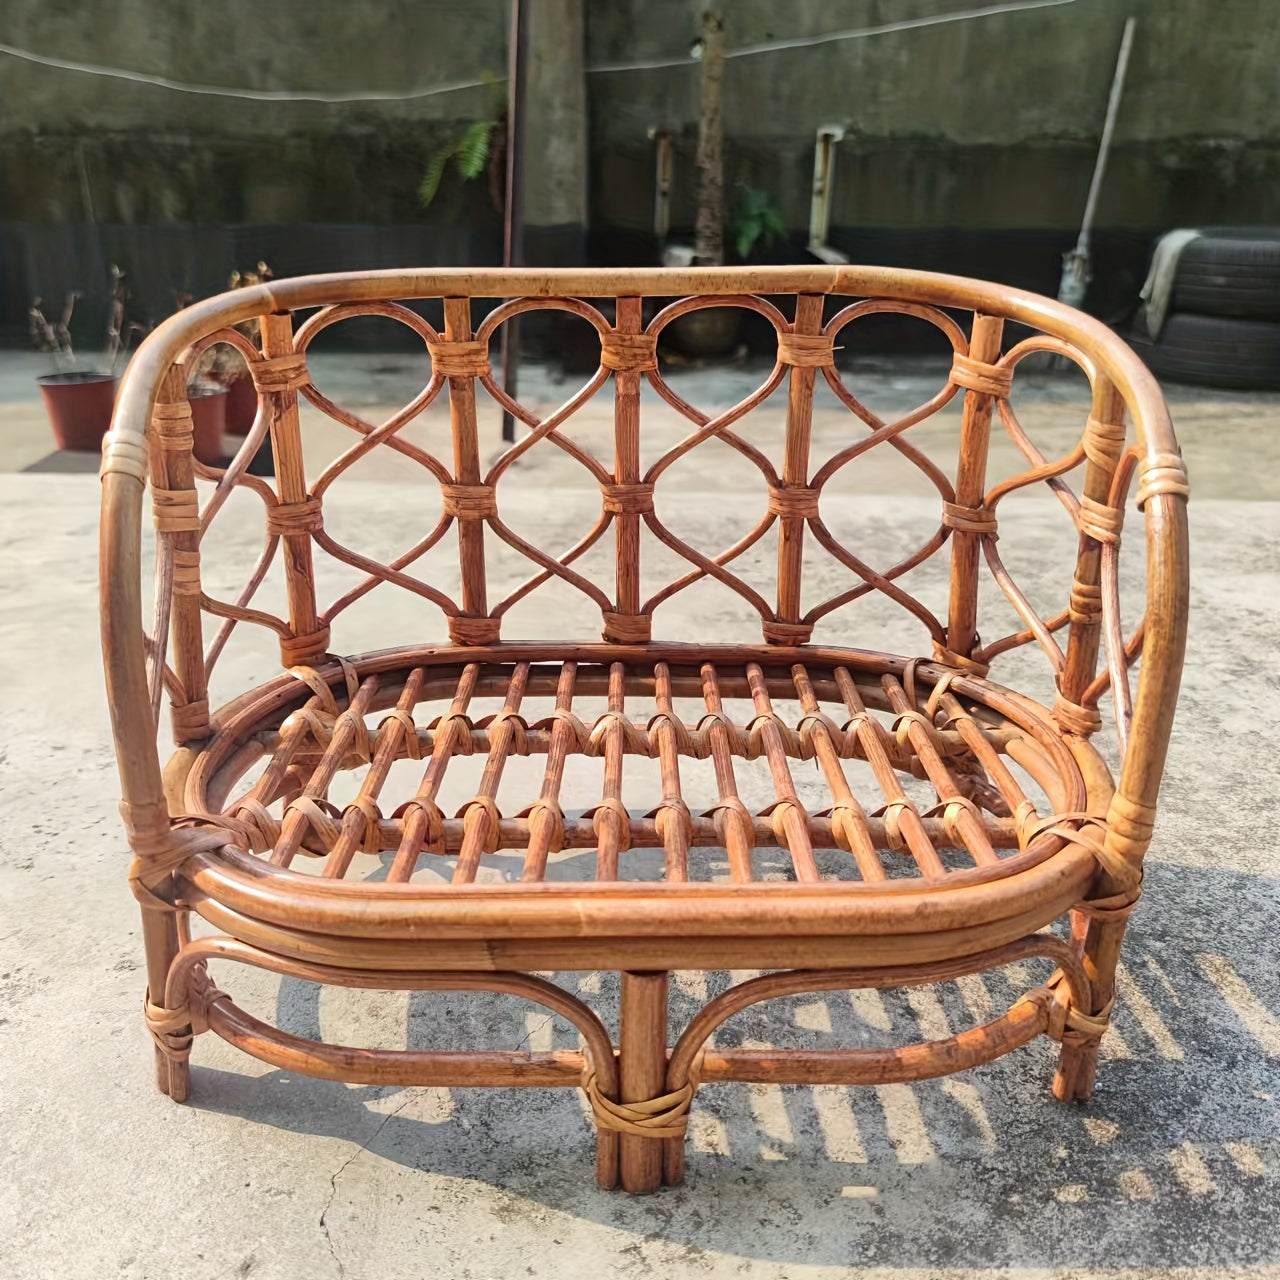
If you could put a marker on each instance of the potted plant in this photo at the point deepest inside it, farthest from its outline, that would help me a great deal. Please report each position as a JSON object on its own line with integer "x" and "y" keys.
{"x": 79, "y": 401}
{"x": 207, "y": 395}
{"x": 754, "y": 222}
{"x": 222, "y": 369}
{"x": 208, "y": 399}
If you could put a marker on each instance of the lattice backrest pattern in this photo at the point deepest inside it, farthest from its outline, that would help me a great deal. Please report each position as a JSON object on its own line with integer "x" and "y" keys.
{"x": 192, "y": 626}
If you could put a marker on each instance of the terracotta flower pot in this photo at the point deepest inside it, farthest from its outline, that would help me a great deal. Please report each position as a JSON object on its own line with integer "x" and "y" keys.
{"x": 79, "y": 406}
{"x": 242, "y": 405}
{"x": 208, "y": 423}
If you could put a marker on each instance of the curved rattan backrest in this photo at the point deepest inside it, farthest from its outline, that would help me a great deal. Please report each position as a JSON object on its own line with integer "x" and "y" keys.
{"x": 1085, "y": 640}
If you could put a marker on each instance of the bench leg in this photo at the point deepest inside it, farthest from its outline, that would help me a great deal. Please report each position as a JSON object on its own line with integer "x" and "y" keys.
{"x": 642, "y": 1072}
{"x": 160, "y": 938}
{"x": 1078, "y": 1061}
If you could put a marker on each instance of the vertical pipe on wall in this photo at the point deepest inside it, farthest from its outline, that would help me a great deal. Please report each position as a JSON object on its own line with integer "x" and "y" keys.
{"x": 513, "y": 212}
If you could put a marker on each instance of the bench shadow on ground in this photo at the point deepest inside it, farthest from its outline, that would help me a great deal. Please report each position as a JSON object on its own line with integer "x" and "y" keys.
{"x": 66, "y": 462}
{"x": 1175, "y": 1161}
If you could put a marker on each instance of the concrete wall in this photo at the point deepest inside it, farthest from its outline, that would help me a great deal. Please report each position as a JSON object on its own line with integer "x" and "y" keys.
{"x": 148, "y": 154}
{"x": 969, "y": 144}
{"x": 983, "y": 124}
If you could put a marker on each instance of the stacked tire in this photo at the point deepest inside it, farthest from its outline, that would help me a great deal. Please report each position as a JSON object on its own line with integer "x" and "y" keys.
{"x": 1223, "y": 325}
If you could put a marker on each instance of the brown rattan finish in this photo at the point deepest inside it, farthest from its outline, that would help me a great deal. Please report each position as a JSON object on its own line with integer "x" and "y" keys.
{"x": 416, "y": 817}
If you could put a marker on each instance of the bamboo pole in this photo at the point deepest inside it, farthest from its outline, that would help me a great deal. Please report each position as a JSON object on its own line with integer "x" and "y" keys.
{"x": 971, "y": 472}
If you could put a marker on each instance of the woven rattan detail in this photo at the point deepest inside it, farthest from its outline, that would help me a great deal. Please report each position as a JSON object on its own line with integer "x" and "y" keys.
{"x": 1085, "y": 604}
{"x": 806, "y": 350}
{"x": 1115, "y": 909}
{"x": 958, "y": 660}
{"x": 627, "y": 628}
{"x": 186, "y": 573}
{"x": 1104, "y": 442}
{"x": 307, "y": 648}
{"x": 628, "y": 499}
{"x": 978, "y": 375}
{"x": 1080, "y": 1023}
{"x": 469, "y": 501}
{"x": 1116, "y": 857}
{"x": 190, "y": 719}
{"x": 172, "y": 416}
{"x": 295, "y": 517}
{"x": 629, "y": 352}
{"x": 1099, "y": 521}
{"x": 474, "y": 631}
{"x": 1162, "y": 473}
{"x": 158, "y": 854}
{"x": 460, "y": 359}
{"x": 173, "y": 1030}
{"x": 175, "y": 510}
{"x": 776, "y": 631}
{"x": 795, "y": 500}
{"x": 969, "y": 519}
{"x": 1068, "y": 1022}
{"x": 666, "y": 1116}
{"x": 123, "y": 455}
{"x": 280, "y": 373}
{"x": 784, "y": 714}
{"x": 174, "y": 438}
{"x": 1074, "y": 718}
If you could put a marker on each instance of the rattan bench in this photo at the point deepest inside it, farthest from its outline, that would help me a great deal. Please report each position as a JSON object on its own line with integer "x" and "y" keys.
{"x": 921, "y": 822}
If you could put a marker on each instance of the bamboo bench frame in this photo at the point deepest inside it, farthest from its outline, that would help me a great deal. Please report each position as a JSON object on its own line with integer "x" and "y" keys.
{"x": 926, "y": 894}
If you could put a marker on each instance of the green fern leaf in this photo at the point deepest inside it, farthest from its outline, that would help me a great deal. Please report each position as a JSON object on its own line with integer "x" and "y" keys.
{"x": 473, "y": 149}
{"x": 431, "y": 179}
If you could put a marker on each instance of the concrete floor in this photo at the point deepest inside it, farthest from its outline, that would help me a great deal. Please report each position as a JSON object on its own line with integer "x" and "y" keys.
{"x": 1173, "y": 1169}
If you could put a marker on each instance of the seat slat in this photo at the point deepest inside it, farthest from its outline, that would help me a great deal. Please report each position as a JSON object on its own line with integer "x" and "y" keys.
{"x": 360, "y": 820}
{"x": 610, "y": 821}
{"x": 672, "y": 814}
{"x": 853, "y": 828}
{"x": 980, "y": 820}
{"x": 736, "y": 829}
{"x": 903, "y": 820}
{"x": 481, "y": 814}
{"x": 301, "y": 813}
{"x": 918, "y": 730}
{"x": 546, "y": 821}
{"x": 422, "y": 812}
{"x": 791, "y": 825}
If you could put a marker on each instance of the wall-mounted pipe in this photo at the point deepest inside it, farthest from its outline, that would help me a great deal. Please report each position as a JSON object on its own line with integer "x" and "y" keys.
{"x": 663, "y": 164}
{"x": 824, "y": 163}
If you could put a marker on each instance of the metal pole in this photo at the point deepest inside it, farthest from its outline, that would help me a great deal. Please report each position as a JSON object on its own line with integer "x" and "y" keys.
{"x": 1076, "y": 265}
{"x": 1108, "y": 128}
{"x": 513, "y": 216}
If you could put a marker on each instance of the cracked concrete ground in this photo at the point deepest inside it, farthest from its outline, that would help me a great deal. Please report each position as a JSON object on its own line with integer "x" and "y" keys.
{"x": 1173, "y": 1169}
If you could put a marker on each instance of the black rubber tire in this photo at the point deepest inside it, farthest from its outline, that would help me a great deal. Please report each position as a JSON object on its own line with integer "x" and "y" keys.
{"x": 1213, "y": 351}
{"x": 1232, "y": 272}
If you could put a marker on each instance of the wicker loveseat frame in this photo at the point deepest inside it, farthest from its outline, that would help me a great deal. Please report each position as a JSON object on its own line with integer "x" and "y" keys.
{"x": 867, "y": 881}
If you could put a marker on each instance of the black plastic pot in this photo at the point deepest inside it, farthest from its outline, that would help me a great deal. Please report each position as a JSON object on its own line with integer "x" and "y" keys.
{"x": 706, "y": 334}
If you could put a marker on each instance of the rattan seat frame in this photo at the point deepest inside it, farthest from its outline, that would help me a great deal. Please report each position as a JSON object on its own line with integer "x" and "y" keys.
{"x": 920, "y": 821}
